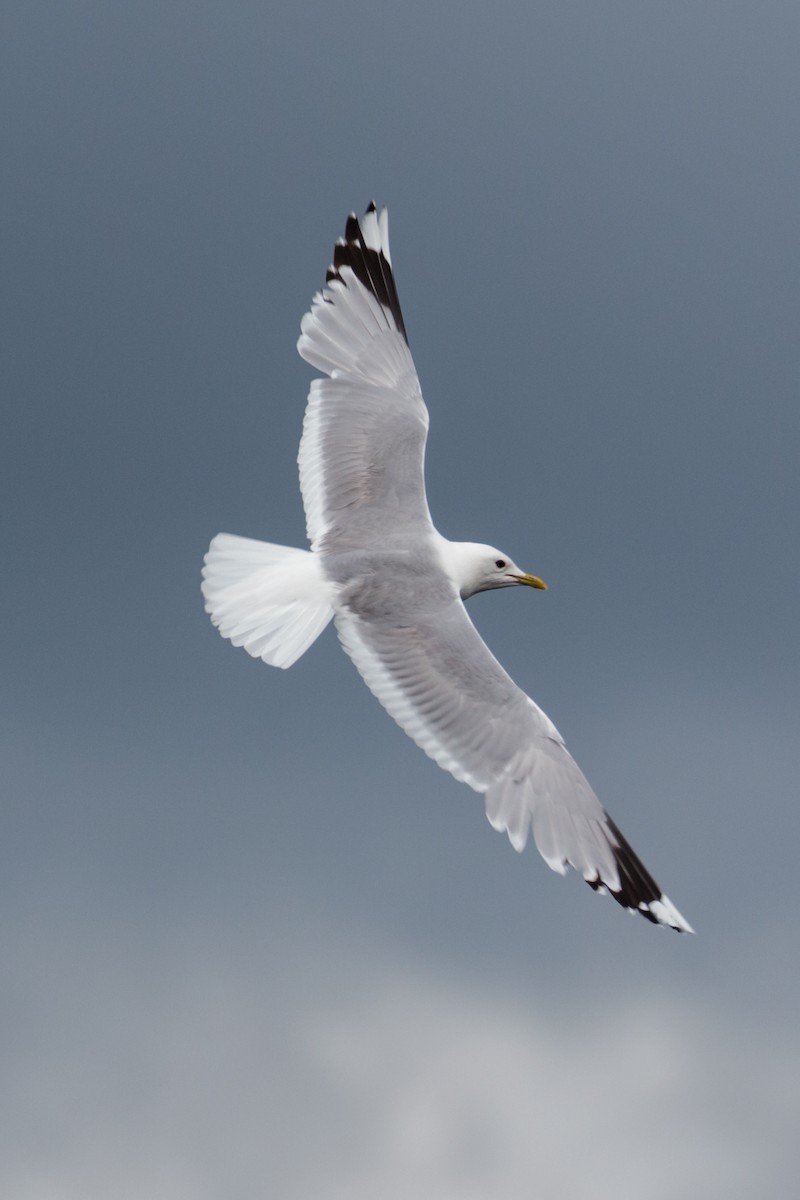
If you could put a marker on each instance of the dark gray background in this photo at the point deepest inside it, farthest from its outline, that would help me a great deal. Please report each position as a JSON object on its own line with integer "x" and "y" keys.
{"x": 254, "y": 942}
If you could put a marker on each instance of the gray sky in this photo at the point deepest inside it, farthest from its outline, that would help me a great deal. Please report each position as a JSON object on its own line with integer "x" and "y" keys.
{"x": 255, "y": 943}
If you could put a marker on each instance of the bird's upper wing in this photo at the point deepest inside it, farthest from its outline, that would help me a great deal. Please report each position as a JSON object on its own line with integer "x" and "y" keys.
{"x": 363, "y": 445}
{"x": 400, "y": 619}
{"x": 429, "y": 667}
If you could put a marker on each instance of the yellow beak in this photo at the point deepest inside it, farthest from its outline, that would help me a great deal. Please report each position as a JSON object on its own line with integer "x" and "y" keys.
{"x": 532, "y": 581}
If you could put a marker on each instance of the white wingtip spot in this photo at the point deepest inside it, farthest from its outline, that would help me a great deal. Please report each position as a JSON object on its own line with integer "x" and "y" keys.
{"x": 666, "y": 913}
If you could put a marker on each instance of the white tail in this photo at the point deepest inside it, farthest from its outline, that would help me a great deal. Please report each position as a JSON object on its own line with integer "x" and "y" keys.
{"x": 272, "y": 600}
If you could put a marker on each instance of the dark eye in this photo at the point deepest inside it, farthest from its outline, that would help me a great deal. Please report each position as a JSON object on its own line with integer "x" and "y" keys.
{"x": 501, "y": 562}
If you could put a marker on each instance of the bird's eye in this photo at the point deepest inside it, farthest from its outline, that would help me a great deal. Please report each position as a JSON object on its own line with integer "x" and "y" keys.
{"x": 501, "y": 562}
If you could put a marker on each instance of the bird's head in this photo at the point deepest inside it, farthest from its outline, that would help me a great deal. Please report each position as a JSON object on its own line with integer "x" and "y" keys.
{"x": 478, "y": 568}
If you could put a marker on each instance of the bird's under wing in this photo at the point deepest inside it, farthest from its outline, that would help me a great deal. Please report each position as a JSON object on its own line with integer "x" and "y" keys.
{"x": 435, "y": 675}
{"x": 362, "y": 452}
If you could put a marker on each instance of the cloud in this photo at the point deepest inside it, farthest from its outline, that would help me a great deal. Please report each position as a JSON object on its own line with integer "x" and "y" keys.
{"x": 308, "y": 1063}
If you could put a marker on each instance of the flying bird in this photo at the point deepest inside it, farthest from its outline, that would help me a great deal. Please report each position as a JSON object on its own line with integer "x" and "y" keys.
{"x": 395, "y": 587}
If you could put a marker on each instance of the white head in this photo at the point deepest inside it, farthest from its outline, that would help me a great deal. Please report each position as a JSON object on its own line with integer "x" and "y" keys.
{"x": 477, "y": 568}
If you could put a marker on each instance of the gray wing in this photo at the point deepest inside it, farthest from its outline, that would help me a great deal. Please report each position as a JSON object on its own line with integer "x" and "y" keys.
{"x": 433, "y": 672}
{"x": 361, "y": 474}
{"x": 363, "y": 445}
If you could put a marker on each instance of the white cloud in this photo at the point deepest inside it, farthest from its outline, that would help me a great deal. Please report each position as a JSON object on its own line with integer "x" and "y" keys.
{"x": 313, "y": 1067}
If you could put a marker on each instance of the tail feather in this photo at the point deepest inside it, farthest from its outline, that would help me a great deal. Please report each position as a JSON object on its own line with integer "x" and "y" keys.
{"x": 271, "y": 600}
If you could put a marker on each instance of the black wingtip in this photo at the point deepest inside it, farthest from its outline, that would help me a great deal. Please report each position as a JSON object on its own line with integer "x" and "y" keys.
{"x": 371, "y": 267}
{"x": 638, "y": 890}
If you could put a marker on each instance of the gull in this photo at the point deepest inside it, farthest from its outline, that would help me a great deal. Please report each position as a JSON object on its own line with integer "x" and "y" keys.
{"x": 395, "y": 587}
